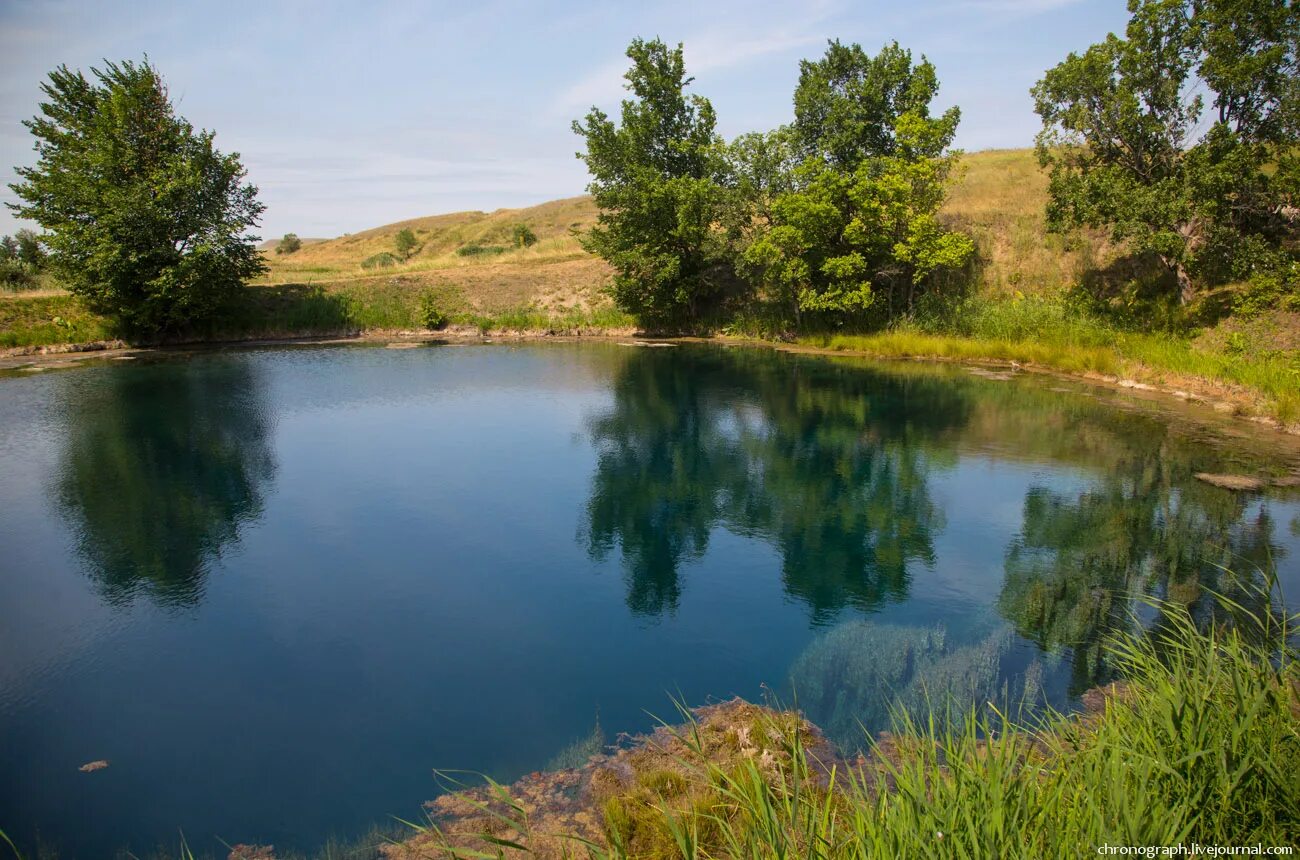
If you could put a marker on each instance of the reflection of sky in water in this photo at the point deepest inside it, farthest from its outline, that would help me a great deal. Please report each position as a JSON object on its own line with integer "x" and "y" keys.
{"x": 397, "y": 568}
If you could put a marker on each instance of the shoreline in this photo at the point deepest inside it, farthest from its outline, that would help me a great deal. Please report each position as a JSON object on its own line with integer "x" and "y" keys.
{"x": 1224, "y": 399}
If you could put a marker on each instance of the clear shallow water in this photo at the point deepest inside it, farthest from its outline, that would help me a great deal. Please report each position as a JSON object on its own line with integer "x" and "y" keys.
{"x": 276, "y": 588}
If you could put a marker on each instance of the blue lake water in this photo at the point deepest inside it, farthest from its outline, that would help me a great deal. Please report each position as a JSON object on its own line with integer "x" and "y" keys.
{"x": 276, "y": 588}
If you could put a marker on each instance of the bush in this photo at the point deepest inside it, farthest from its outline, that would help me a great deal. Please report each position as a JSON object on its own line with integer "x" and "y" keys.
{"x": 405, "y": 242}
{"x": 288, "y": 244}
{"x": 480, "y": 250}
{"x": 430, "y": 315}
{"x": 382, "y": 260}
{"x": 523, "y": 237}
{"x": 14, "y": 275}
{"x": 1270, "y": 290}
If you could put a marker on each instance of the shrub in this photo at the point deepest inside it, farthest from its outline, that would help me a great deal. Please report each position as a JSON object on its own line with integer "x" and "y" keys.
{"x": 288, "y": 244}
{"x": 382, "y": 260}
{"x": 431, "y": 316}
{"x": 16, "y": 276}
{"x": 523, "y": 237}
{"x": 480, "y": 250}
{"x": 405, "y": 242}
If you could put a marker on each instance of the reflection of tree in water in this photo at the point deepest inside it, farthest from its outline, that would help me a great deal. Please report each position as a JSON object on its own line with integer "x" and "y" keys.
{"x": 162, "y": 466}
{"x": 1074, "y": 572}
{"x": 823, "y": 461}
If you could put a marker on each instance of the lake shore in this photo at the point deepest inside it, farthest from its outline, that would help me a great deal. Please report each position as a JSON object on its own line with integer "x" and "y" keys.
{"x": 1152, "y": 382}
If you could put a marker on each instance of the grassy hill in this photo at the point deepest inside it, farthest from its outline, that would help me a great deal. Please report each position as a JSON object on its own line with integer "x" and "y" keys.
{"x": 999, "y": 199}
{"x": 469, "y": 253}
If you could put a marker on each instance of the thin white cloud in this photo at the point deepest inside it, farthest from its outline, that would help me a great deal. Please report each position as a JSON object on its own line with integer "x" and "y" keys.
{"x": 1016, "y": 7}
{"x": 705, "y": 52}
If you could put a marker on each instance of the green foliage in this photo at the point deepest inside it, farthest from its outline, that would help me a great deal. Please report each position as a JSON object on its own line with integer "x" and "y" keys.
{"x": 289, "y": 244}
{"x": 1120, "y": 126}
{"x": 522, "y": 237}
{"x": 145, "y": 218}
{"x": 1268, "y": 290}
{"x": 658, "y": 180}
{"x": 405, "y": 243}
{"x": 29, "y": 250}
{"x": 476, "y": 250}
{"x": 431, "y": 315}
{"x": 856, "y": 219}
{"x": 382, "y": 260}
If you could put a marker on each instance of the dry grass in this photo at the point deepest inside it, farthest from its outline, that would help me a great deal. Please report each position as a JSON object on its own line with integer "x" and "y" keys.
{"x": 1000, "y": 201}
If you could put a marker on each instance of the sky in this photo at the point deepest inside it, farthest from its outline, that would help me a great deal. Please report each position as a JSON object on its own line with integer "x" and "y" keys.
{"x": 353, "y": 115}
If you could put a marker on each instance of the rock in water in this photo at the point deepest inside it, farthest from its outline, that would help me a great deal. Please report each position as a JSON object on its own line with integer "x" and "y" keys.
{"x": 98, "y": 764}
{"x": 1244, "y": 483}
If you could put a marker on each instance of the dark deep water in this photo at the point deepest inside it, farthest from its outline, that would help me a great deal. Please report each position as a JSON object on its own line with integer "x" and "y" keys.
{"x": 276, "y": 588}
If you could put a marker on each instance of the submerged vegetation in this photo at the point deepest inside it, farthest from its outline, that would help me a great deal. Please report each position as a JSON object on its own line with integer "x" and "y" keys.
{"x": 1199, "y": 743}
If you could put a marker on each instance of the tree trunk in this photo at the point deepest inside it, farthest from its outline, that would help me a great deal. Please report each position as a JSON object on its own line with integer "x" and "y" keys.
{"x": 1186, "y": 291}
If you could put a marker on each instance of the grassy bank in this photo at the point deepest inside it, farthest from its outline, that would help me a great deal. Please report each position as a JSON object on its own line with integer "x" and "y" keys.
{"x": 1047, "y": 331}
{"x": 1200, "y": 744}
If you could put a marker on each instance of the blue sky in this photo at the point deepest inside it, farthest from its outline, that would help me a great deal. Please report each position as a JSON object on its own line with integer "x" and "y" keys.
{"x": 352, "y": 115}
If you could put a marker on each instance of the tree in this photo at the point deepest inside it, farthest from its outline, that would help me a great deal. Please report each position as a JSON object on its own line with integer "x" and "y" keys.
{"x": 857, "y": 218}
{"x": 405, "y": 242}
{"x": 658, "y": 180}
{"x": 523, "y": 237}
{"x": 1122, "y": 136}
{"x": 8, "y": 248}
{"x": 145, "y": 219}
{"x": 289, "y": 244}
{"x": 29, "y": 250}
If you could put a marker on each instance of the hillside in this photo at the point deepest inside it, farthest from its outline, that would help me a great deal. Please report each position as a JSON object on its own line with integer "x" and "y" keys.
{"x": 999, "y": 199}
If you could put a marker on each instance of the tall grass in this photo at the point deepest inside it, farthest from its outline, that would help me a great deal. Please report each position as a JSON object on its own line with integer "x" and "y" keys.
{"x": 1051, "y": 331}
{"x": 1201, "y": 743}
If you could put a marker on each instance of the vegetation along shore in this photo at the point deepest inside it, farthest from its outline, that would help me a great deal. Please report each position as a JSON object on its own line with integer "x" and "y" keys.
{"x": 1149, "y": 239}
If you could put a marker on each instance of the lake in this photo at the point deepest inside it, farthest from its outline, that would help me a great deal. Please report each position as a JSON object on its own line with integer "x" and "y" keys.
{"x": 276, "y": 588}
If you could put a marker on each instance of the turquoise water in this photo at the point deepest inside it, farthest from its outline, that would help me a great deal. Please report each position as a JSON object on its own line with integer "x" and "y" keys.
{"x": 276, "y": 588}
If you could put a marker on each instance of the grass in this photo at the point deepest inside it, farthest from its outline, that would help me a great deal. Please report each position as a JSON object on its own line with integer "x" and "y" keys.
{"x": 40, "y": 320}
{"x": 1201, "y": 743}
{"x": 1047, "y": 331}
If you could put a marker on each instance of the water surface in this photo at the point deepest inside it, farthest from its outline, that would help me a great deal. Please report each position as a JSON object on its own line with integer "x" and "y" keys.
{"x": 276, "y": 588}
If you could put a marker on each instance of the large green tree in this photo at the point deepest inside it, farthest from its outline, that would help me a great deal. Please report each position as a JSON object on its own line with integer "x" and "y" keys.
{"x": 855, "y": 225}
{"x": 145, "y": 219}
{"x": 1180, "y": 137}
{"x": 658, "y": 178}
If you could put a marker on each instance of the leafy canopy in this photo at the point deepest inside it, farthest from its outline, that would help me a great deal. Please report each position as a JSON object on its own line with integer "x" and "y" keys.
{"x": 658, "y": 177}
{"x": 1180, "y": 138}
{"x": 855, "y": 217}
{"x": 405, "y": 242}
{"x": 146, "y": 220}
{"x": 289, "y": 244}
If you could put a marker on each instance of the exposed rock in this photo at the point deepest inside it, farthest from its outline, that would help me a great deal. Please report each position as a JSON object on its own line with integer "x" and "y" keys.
{"x": 1242, "y": 483}
{"x": 98, "y": 764}
{"x": 251, "y": 852}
